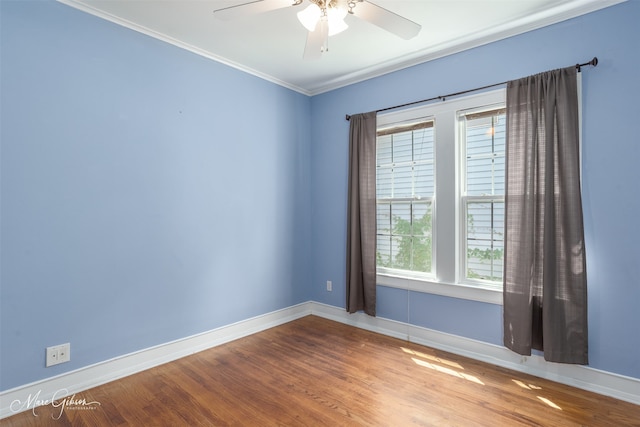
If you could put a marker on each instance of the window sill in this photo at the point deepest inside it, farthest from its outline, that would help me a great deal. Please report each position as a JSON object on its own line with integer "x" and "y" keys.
{"x": 473, "y": 293}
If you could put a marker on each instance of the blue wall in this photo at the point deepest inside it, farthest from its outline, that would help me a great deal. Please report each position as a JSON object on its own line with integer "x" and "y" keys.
{"x": 139, "y": 206}
{"x": 148, "y": 194}
{"x": 611, "y": 153}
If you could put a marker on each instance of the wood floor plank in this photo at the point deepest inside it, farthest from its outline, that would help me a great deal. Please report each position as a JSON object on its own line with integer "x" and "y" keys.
{"x": 315, "y": 372}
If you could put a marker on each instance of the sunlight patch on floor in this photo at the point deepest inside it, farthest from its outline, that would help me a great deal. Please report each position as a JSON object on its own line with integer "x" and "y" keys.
{"x": 447, "y": 371}
{"x": 521, "y": 384}
{"x": 433, "y": 358}
{"x": 527, "y": 386}
{"x": 535, "y": 387}
{"x": 548, "y": 402}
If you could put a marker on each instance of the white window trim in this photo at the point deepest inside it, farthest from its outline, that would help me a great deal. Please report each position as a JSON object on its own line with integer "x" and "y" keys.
{"x": 454, "y": 290}
{"x": 446, "y": 278}
{"x": 464, "y": 200}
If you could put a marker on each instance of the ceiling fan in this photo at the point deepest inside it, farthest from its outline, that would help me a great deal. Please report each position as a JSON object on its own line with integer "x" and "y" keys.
{"x": 324, "y": 18}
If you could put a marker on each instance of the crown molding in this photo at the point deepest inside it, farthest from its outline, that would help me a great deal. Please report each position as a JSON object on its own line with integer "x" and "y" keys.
{"x": 535, "y": 21}
{"x": 80, "y": 5}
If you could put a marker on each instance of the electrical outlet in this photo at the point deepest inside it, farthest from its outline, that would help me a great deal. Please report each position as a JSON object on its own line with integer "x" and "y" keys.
{"x": 58, "y": 354}
{"x": 329, "y": 286}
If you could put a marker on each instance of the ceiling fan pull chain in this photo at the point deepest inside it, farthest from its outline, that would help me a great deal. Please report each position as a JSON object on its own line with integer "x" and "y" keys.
{"x": 324, "y": 31}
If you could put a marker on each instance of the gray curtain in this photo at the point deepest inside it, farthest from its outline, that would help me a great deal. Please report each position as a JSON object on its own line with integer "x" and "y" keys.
{"x": 545, "y": 285}
{"x": 361, "y": 215}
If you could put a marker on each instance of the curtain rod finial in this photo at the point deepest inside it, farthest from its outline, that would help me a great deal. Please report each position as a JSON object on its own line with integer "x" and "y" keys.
{"x": 347, "y": 117}
{"x": 593, "y": 63}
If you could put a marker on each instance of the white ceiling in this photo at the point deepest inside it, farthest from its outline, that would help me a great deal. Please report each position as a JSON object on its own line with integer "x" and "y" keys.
{"x": 270, "y": 45}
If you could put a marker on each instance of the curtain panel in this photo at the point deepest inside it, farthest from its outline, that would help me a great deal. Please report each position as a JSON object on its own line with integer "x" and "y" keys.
{"x": 545, "y": 285}
{"x": 361, "y": 215}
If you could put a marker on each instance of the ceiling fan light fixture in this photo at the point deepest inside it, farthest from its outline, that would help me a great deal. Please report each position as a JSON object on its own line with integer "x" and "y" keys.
{"x": 336, "y": 17}
{"x": 310, "y": 16}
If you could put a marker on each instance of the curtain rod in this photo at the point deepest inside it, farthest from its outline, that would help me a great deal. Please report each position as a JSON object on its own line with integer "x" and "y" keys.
{"x": 593, "y": 63}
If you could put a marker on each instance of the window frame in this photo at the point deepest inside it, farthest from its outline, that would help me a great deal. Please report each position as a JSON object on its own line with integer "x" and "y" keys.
{"x": 465, "y": 199}
{"x": 404, "y": 126}
{"x": 446, "y": 203}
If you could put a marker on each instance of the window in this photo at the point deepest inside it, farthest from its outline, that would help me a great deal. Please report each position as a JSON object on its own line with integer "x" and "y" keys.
{"x": 404, "y": 188}
{"x": 483, "y": 135}
{"x": 440, "y": 197}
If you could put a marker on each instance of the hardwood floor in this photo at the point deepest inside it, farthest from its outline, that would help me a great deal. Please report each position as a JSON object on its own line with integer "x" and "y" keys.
{"x": 315, "y": 372}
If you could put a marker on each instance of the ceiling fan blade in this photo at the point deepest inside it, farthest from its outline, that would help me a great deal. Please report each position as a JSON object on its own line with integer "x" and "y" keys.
{"x": 387, "y": 20}
{"x": 252, "y": 8}
{"x": 313, "y": 46}
{"x": 317, "y": 41}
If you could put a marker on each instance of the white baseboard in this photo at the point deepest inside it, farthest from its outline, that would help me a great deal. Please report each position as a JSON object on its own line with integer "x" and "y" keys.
{"x": 24, "y": 397}
{"x": 583, "y": 377}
